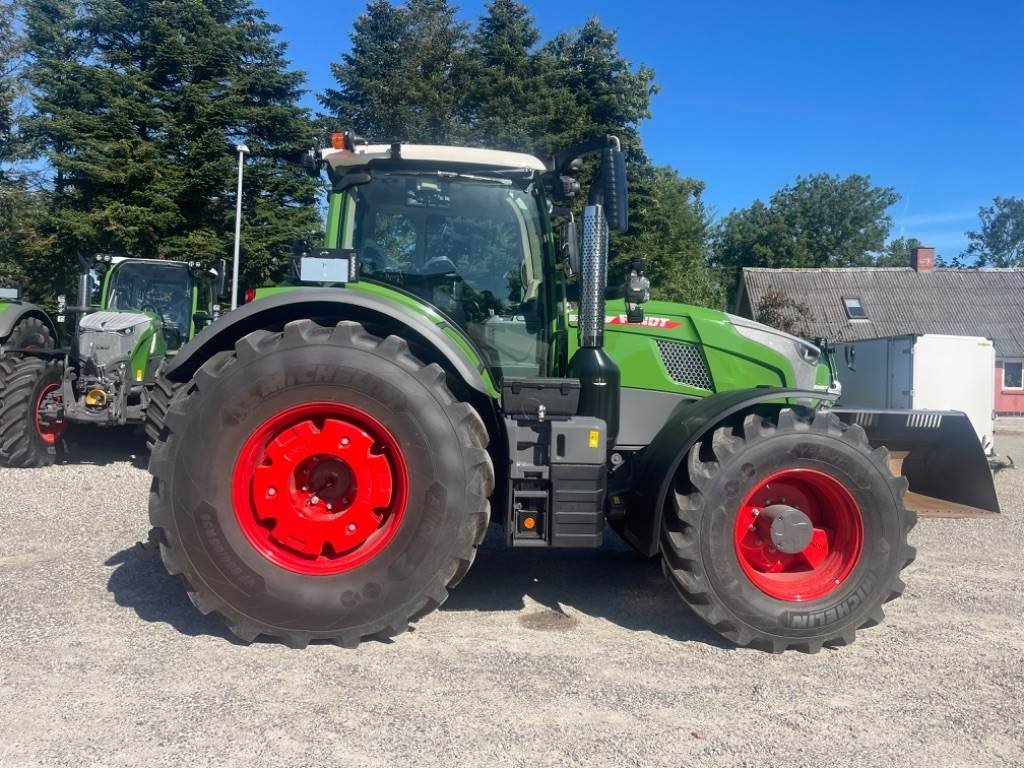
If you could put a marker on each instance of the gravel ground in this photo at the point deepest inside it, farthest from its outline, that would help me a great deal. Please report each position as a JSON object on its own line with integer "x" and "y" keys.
{"x": 540, "y": 658}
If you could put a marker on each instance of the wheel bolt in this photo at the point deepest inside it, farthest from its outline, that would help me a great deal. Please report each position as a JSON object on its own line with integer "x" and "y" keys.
{"x": 344, "y": 441}
{"x": 271, "y": 492}
{"x": 351, "y": 528}
{"x": 314, "y": 499}
{"x": 305, "y": 488}
{"x": 329, "y": 507}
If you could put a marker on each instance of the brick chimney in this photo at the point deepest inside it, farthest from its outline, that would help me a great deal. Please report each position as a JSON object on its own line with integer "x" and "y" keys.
{"x": 922, "y": 259}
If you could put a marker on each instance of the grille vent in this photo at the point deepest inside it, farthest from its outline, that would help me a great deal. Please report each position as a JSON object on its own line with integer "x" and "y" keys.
{"x": 685, "y": 363}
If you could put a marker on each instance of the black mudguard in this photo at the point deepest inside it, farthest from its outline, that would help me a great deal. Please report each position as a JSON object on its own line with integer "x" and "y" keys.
{"x": 942, "y": 458}
{"x": 687, "y": 424}
{"x": 312, "y": 303}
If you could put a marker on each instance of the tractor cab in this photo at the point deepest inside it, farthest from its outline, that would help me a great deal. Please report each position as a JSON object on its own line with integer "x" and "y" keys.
{"x": 462, "y": 229}
{"x": 179, "y": 296}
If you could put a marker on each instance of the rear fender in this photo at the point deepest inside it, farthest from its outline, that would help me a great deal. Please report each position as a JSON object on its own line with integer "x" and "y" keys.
{"x": 333, "y": 304}
{"x": 942, "y": 457}
{"x": 17, "y": 311}
{"x": 688, "y": 423}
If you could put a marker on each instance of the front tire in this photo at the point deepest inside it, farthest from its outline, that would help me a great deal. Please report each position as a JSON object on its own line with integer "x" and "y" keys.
{"x": 25, "y": 441}
{"x": 319, "y": 484}
{"x": 773, "y": 585}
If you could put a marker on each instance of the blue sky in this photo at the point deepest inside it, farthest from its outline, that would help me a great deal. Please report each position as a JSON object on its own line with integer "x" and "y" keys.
{"x": 924, "y": 97}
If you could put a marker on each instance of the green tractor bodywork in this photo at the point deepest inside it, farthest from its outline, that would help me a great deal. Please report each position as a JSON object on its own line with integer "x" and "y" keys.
{"x": 132, "y": 315}
{"x": 453, "y": 326}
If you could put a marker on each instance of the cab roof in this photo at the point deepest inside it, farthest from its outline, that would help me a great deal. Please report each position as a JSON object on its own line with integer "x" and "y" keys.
{"x": 470, "y": 156}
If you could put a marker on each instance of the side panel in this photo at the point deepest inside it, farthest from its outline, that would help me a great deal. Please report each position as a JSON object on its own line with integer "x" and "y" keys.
{"x": 954, "y": 373}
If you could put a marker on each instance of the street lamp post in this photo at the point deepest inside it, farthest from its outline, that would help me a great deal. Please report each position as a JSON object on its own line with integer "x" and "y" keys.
{"x": 242, "y": 151}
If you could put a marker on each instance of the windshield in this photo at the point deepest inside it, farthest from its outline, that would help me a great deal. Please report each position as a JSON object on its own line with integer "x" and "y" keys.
{"x": 470, "y": 246}
{"x": 163, "y": 288}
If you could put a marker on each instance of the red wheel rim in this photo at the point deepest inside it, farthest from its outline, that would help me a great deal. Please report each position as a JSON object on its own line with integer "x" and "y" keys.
{"x": 49, "y": 433}
{"x": 836, "y": 541}
{"x": 320, "y": 488}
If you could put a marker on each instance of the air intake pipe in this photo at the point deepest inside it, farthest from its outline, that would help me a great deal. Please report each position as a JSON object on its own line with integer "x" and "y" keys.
{"x": 598, "y": 374}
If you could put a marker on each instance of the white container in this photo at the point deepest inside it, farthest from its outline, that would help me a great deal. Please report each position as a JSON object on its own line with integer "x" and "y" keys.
{"x": 927, "y": 372}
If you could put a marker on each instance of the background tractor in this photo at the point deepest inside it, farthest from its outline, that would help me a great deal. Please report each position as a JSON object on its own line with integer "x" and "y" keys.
{"x": 144, "y": 310}
{"x": 334, "y": 451}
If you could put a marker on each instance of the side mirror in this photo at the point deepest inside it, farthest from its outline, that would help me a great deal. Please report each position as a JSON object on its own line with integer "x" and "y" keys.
{"x": 615, "y": 194}
{"x": 570, "y": 247}
{"x": 220, "y": 266}
{"x": 311, "y": 164}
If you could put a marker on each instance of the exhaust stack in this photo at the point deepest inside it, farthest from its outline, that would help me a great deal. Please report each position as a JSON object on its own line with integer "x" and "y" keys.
{"x": 598, "y": 374}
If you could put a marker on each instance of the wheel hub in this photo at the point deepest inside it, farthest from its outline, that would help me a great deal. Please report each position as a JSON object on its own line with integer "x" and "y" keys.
{"x": 799, "y": 534}
{"x": 788, "y": 528}
{"x": 320, "y": 488}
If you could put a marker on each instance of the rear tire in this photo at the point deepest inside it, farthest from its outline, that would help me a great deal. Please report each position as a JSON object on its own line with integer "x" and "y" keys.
{"x": 24, "y": 441}
{"x": 246, "y": 550}
{"x": 758, "y": 595}
{"x": 30, "y": 333}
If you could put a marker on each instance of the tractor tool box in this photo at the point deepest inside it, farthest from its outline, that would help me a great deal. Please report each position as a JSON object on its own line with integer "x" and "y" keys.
{"x": 557, "y": 462}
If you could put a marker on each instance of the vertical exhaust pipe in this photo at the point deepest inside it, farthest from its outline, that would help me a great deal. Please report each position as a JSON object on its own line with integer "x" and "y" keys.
{"x": 598, "y": 374}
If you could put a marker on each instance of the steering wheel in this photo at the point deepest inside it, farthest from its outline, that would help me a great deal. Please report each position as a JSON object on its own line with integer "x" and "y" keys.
{"x": 438, "y": 266}
{"x": 151, "y": 308}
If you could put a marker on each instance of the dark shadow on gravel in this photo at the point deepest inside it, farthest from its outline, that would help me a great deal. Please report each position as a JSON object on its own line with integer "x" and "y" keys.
{"x": 105, "y": 445}
{"x": 140, "y": 582}
{"x": 613, "y": 583}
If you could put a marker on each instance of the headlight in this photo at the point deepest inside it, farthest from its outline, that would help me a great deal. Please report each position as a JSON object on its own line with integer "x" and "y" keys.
{"x": 802, "y": 355}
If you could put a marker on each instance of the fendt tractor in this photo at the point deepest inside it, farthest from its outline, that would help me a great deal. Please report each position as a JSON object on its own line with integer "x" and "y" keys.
{"x": 334, "y": 450}
{"x": 146, "y": 309}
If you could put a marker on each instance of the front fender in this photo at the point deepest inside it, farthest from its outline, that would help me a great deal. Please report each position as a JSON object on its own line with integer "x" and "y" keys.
{"x": 688, "y": 423}
{"x": 310, "y": 303}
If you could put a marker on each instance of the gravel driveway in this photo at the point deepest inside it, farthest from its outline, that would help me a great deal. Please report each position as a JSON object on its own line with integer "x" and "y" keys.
{"x": 540, "y": 658}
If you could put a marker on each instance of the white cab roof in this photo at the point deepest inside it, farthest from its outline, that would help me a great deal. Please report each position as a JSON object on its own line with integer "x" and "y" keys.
{"x": 497, "y": 158}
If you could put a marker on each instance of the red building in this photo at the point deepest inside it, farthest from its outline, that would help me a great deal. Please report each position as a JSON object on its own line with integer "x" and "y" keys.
{"x": 877, "y": 302}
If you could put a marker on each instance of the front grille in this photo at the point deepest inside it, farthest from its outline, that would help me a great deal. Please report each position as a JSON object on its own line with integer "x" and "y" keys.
{"x": 685, "y": 363}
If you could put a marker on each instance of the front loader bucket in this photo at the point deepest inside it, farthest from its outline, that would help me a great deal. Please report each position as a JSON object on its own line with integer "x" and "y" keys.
{"x": 940, "y": 455}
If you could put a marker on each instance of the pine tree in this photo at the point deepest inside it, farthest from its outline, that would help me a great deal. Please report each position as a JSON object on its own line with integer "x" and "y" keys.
{"x": 405, "y": 75}
{"x": 138, "y": 107}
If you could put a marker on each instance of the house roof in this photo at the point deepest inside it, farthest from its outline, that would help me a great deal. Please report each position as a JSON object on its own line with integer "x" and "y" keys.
{"x": 900, "y": 301}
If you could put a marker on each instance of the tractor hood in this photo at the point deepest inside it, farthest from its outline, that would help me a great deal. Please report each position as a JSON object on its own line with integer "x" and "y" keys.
{"x": 696, "y": 351}
{"x": 108, "y": 338}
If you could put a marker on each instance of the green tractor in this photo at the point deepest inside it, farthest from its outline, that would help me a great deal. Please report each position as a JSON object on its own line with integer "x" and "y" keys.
{"x": 335, "y": 450}
{"x": 146, "y": 310}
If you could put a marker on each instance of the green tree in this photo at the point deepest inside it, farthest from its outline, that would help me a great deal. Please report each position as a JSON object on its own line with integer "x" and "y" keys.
{"x": 818, "y": 221}
{"x": 1000, "y": 241}
{"x": 404, "y": 76}
{"x": 138, "y": 107}
{"x": 500, "y": 85}
{"x": 782, "y": 311}
{"x": 508, "y": 106}
{"x": 670, "y": 228}
{"x": 897, "y": 252}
